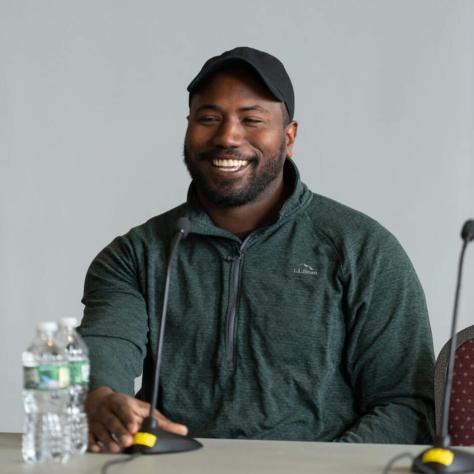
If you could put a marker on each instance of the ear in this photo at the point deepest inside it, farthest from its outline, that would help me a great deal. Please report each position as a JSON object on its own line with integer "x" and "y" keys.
{"x": 291, "y": 131}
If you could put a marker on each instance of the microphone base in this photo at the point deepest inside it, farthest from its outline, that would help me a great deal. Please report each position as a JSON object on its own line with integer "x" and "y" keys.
{"x": 443, "y": 460}
{"x": 153, "y": 440}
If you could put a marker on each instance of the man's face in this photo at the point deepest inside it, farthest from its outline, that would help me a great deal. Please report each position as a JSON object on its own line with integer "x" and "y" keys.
{"x": 236, "y": 142}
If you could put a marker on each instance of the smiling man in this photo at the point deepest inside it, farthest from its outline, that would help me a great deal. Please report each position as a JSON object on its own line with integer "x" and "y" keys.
{"x": 291, "y": 316}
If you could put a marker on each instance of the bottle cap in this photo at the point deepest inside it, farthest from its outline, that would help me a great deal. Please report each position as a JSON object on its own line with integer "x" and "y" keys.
{"x": 47, "y": 326}
{"x": 68, "y": 322}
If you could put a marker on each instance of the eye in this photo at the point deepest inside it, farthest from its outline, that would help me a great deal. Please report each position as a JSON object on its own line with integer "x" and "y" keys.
{"x": 253, "y": 121}
{"x": 207, "y": 119}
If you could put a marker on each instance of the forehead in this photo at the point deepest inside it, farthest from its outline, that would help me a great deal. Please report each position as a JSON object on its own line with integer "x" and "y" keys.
{"x": 236, "y": 85}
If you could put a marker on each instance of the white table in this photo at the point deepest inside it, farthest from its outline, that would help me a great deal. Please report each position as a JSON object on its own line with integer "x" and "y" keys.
{"x": 221, "y": 456}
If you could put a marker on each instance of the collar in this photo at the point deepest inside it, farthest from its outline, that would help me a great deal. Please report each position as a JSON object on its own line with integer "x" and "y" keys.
{"x": 299, "y": 198}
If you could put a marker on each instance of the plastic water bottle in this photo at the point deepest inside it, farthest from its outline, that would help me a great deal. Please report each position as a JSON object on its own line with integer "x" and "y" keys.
{"x": 78, "y": 359}
{"x": 45, "y": 395}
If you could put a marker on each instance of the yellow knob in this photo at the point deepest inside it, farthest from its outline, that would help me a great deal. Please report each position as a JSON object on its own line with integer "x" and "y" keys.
{"x": 146, "y": 439}
{"x": 441, "y": 456}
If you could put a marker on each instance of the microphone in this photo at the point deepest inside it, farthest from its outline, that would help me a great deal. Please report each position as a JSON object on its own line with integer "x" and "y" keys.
{"x": 467, "y": 232}
{"x": 440, "y": 458}
{"x": 151, "y": 439}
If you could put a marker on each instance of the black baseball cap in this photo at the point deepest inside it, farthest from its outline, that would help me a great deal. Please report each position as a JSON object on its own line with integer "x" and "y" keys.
{"x": 268, "y": 68}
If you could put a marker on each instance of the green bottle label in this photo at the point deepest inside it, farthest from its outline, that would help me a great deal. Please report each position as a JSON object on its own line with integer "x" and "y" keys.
{"x": 79, "y": 370}
{"x": 46, "y": 377}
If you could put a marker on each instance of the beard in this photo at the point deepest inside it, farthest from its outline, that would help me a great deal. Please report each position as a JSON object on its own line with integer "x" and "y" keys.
{"x": 224, "y": 193}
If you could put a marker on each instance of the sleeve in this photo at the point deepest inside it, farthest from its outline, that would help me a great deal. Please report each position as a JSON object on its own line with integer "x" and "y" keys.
{"x": 115, "y": 323}
{"x": 389, "y": 350}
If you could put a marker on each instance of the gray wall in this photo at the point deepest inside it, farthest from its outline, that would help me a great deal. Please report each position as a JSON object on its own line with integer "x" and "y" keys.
{"x": 92, "y": 116}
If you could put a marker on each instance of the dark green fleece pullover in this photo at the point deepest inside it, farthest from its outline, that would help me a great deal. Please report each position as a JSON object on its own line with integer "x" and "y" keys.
{"x": 314, "y": 328}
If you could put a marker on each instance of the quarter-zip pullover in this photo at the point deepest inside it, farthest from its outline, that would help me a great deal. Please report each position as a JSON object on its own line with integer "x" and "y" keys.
{"x": 313, "y": 328}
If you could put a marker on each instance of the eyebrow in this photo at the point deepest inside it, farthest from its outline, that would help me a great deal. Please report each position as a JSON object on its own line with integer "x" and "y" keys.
{"x": 250, "y": 108}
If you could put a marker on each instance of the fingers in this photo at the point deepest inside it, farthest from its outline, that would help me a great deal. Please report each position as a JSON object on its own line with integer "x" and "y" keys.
{"x": 118, "y": 431}
{"x": 94, "y": 446}
{"x": 112, "y": 420}
{"x": 104, "y": 437}
{"x": 115, "y": 417}
{"x": 134, "y": 411}
{"x": 168, "y": 425}
{"x": 141, "y": 408}
{"x": 129, "y": 411}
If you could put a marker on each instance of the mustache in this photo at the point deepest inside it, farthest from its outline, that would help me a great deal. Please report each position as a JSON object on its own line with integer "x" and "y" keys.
{"x": 231, "y": 154}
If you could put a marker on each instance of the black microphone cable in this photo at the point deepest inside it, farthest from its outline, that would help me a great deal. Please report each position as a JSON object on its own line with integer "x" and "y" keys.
{"x": 423, "y": 468}
{"x": 108, "y": 464}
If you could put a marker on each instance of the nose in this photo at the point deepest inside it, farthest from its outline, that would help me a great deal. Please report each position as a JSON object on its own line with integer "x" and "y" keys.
{"x": 229, "y": 134}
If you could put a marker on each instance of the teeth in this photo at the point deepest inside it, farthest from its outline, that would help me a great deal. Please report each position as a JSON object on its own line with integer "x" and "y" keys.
{"x": 229, "y": 163}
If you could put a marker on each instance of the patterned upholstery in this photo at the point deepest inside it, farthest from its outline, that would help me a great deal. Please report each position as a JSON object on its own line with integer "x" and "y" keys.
{"x": 461, "y": 410}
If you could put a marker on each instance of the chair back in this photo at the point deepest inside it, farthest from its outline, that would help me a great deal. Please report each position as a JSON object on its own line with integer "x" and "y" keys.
{"x": 461, "y": 409}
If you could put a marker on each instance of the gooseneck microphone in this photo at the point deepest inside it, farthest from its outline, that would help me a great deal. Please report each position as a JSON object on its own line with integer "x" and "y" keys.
{"x": 182, "y": 231}
{"x": 467, "y": 232}
{"x": 440, "y": 458}
{"x": 151, "y": 439}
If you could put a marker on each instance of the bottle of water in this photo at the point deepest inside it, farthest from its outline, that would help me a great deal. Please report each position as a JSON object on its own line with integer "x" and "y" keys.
{"x": 78, "y": 359}
{"x": 45, "y": 395}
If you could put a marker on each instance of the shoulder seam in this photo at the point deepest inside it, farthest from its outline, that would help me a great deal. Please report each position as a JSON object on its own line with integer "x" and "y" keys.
{"x": 328, "y": 240}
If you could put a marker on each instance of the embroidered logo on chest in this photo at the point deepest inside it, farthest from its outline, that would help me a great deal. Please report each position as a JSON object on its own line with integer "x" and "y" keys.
{"x": 304, "y": 269}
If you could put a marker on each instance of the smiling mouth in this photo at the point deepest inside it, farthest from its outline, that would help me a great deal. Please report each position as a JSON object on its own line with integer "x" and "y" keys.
{"x": 229, "y": 165}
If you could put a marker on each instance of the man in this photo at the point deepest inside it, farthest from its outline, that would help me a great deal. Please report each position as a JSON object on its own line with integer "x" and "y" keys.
{"x": 290, "y": 316}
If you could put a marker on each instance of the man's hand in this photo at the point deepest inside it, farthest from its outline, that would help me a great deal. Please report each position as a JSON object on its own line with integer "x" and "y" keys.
{"x": 115, "y": 417}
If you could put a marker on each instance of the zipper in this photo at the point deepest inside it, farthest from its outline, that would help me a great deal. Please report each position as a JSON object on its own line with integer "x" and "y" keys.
{"x": 231, "y": 326}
